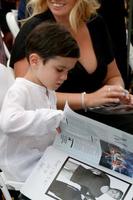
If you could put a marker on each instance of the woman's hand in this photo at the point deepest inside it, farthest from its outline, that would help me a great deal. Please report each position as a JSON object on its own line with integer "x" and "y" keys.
{"x": 129, "y": 100}
{"x": 108, "y": 94}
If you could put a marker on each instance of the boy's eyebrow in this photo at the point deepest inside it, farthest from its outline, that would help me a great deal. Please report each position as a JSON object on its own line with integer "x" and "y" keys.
{"x": 62, "y": 66}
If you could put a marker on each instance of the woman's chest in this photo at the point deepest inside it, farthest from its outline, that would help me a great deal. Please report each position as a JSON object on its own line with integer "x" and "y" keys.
{"x": 87, "y": 52}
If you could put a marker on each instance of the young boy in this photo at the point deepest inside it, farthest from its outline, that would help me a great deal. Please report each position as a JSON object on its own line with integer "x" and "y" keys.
{"x": 29, "y": 119}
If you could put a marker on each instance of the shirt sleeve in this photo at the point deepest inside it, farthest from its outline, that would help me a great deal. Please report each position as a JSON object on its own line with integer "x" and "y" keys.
{"x": 16, "y": 119}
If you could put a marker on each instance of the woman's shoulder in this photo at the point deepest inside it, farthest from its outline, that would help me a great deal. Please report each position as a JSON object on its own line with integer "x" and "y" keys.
{"x": 30, "y": 24}
{"x": 37, "y": 19}
{"x": 96, "y": 21}
{"x": 98, "y": 27}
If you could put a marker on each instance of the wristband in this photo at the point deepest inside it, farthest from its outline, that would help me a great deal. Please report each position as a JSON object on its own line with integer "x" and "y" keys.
{"x": 83, "y": 101}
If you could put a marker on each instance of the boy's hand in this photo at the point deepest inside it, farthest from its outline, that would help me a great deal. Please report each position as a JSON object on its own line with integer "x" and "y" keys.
{"x": 58, "y": 130}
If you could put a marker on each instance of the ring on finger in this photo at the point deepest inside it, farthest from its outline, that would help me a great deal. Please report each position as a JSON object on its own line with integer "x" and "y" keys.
{"x": 109, "y": 89}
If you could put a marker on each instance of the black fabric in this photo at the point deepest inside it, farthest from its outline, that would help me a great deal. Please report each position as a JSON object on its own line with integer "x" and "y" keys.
{"x": 102, "y": 47}
{"x": 114, "y": 14}
{"x": 93, "y": 182}
{"x": 22, "y": 197}
{"x": 79, "y": 79}
{"x": 5, "y": 6}
{"x": 123, "y": 122}
{"x": 65, "y": 191}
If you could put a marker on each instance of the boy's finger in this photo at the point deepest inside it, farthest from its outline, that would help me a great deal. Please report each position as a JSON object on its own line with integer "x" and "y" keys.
{"x": 58, "y": 130}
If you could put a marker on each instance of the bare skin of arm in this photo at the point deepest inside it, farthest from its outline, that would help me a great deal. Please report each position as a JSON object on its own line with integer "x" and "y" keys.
{"x": 98, "y": 98}
{"x": 113, "y": 76}
{"x": 21, "y": 67}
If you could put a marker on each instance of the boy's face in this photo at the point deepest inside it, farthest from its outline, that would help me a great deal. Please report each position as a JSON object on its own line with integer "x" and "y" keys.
{"x": 54, "y": 72}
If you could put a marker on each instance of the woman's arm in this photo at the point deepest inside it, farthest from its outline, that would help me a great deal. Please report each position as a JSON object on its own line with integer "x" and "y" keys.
{"x": 106, "y": 94}
{"x": 73, "y": 99}
{"x": 112, "y": 92}
{"x": 21, "y": 67}
{"x": 113, "y": 76}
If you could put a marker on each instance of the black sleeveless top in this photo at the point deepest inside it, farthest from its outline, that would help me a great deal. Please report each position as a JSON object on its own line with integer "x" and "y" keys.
{"x": 79, "y": 79}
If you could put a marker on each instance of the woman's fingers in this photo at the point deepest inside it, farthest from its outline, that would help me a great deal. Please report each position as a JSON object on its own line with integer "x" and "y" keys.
{"x": 109, "y": 94}
{"x": 114, "y": 91}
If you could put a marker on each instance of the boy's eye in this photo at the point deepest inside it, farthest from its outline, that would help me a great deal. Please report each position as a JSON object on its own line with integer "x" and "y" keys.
{"x": 59, "y": 70}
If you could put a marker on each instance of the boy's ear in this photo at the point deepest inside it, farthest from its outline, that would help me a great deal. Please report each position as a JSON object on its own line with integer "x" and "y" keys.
{"x": 33, "y": 59}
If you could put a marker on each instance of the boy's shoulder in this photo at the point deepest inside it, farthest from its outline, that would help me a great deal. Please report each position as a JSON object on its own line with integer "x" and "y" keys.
{"x": 18, "y": 85}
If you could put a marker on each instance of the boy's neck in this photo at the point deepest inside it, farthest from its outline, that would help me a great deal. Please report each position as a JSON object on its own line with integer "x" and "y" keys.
{"x": 30, "y": 76}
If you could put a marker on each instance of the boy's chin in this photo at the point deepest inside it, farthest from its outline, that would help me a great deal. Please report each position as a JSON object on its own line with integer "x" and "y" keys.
{"x": 56, "y": 87}
{"x": 53, "y": 88}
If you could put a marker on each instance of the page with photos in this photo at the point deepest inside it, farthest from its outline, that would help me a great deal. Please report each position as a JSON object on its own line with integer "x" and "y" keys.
{"x": 60, "y": 177}
{"x": 87, "y": 160}
{"x": 96, "y": 143}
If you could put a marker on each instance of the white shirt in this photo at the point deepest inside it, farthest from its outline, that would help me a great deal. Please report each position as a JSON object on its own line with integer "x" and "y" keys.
{"x": 28, "y": 125}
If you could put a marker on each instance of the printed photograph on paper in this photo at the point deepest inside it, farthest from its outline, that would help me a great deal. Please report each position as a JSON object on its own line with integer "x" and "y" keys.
{"x": 78, "y": 181}
{"x": 116, "y": 158}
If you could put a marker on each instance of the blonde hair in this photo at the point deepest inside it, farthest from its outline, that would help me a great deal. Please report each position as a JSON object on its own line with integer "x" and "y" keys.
{"x": 37, "y": 6}
{"x": 82, "y": 10}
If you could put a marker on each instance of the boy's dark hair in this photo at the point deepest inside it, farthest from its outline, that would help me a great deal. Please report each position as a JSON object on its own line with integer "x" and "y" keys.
{"x": 49, "y": 40}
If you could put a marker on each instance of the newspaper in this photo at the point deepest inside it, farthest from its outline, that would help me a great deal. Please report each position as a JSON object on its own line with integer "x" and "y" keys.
{"x": 88, "y": 161}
